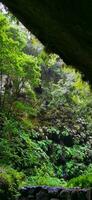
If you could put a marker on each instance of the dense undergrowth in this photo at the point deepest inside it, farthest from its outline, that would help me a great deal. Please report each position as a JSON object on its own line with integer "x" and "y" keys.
{"x": 45, "y": 116}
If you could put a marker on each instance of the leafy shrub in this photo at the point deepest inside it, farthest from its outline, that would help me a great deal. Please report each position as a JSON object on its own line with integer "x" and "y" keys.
{"x": 82, "y": 181}
{"x": 46, "y": 180}
{"x": 20, "y": 151}
{"x": 10, "y": 181}
{"x": 45, "y": 176}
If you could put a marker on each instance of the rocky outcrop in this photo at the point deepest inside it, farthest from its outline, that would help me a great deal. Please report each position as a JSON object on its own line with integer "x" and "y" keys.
{"x": 54, "y": 193}
{"x": 63, "y": 26}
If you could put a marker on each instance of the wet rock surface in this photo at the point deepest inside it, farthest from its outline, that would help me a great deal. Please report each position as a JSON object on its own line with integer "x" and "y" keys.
{"x": 54, "y": 193}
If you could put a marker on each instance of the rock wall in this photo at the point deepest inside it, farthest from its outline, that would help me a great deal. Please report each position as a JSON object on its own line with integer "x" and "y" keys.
{"x": 54, "y": 193}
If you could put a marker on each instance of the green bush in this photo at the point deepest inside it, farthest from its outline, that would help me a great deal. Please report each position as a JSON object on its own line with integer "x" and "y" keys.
{"x": 45, "y": 176}
{"x": 82, "y": 181}
{"x": 46, "y": 180}
{"x": 10, "y": 181}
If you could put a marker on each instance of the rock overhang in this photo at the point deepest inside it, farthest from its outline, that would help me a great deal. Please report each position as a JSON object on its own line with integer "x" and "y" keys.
{"x": 63, "y": 26}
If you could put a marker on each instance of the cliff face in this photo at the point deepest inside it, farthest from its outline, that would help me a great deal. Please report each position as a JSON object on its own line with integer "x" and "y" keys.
{"x": 63, "y": 26}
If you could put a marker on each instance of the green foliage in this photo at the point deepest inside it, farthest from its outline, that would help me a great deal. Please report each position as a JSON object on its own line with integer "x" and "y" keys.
{"x": 10, "y": 181}
{"x": 83, "y": 181}
{"x": 20, "y": 72}
{"x": 46, "y": 180}
{"x": 45, "y": 176}
{"x": 66, "y": 118}
{"x": 18, "y": 150}
{"x": 45, "y": 115}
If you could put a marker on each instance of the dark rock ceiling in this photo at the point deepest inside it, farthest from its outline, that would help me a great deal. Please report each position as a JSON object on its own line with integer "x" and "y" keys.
{"x": 63, "y": 26}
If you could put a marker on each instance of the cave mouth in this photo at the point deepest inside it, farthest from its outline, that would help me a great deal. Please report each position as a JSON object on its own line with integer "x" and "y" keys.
{"x": 49, "y": 124}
